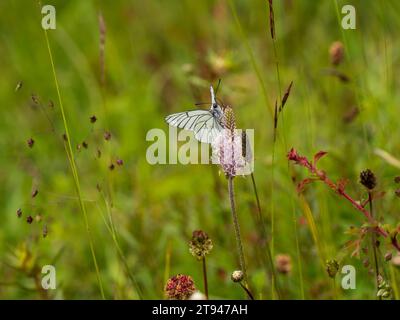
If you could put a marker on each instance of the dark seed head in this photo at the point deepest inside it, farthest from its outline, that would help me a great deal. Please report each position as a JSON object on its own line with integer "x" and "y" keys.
{"x": 29, "y": 219}
{"x": 107, "y": 135}
{"x": 368, "y": 179}
{"x": 19, "y": 213}
{"x": 64, "y": 136}
{"x": 35, "y": 193}
{"x": 111, "y": 166}
{"x": 397, "y": 193}
{"x": 98, "y": 153}
{"x": 397, "y": 179}
{"x": 200, "y": 245}
{"x": 35, "y": 98}
{"x": 120, "y": 162}
{"x": 30, "y": 142}
{"x": 45, "y": 231}
{"x": 85, "y": 145}
{"x": 93, "y": 119}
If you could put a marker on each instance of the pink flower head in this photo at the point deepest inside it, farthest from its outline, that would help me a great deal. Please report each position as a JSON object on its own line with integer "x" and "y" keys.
{"x": 227, "y": 151}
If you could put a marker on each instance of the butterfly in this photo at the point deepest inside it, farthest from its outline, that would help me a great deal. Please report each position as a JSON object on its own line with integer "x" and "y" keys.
{"x": 206, "y": 124}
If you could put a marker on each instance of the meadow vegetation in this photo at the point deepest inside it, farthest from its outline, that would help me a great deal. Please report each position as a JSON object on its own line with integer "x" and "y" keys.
{"x": 77, "y": 192}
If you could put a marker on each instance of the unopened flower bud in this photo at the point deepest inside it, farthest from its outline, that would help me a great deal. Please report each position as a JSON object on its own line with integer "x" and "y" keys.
{"x": 30, "y": 142}
{"x": 237, "y": 276}
{"x": 107, "y": 135}
{"x": 388, "y": 256}
{"x": 29, "y": 219}
{"x": 198, "y": 296}
{"x": 396, "y": 260}
{"x": 283, "y": 263}
{"x": 384, "y": 289}
{"x": 336, "y": 53}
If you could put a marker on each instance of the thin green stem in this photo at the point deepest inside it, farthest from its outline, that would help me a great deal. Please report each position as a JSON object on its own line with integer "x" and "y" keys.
{"x": 392, "y": 270}
{"x": 73, "y": 168}
{"x": 273, "y": 212}
{"x": 205, "y": 277}
{"x": 278, "y": 74}
{"x": 256, "y": 195}
{"x": 252, "y": 58}
{"x": 335, "y": 294}
{"x": 373, "y": 240}
{"x": 263, "y": 232}
{"x": 298, "y": 253}
{"x": 356, "y": 89}
{"x": 113, "y": 232}
{"x": 237, "y": 227}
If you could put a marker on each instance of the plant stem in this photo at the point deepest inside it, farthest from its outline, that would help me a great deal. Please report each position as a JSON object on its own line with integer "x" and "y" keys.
{"x": 373, "y": 239}
{"x": 252, "y": 57}
{"x": 339, "y": 189}
{"x": 205, "y": 277}
{"x": 113, "y": 232}
{"x": 256, "y": 195}
{"x": 237, "y": 227}
{"x": 335, "y": 295}
{"x": 247, "y": 291}
{"x": 298, "y": 253}
{"x": 68, "y": 149}
{"x": 265, "y": 243}
{"x": 392, "y": 270}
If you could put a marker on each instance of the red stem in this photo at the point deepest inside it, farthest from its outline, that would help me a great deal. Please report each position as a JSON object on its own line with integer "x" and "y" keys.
{"x": 303, "y": 161}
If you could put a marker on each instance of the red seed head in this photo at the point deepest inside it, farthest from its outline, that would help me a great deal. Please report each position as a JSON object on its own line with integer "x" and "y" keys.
{"x": 180, "y": 287}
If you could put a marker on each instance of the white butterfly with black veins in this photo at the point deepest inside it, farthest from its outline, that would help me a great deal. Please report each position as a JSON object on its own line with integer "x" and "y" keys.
{"x": 206, "y": 124}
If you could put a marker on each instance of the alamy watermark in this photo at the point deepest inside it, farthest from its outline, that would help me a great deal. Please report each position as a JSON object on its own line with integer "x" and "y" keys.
{"x": 49, "y": 18}
{"x": 49, "y": 278}
{"x": 182, "y": 147}
{"x": 349, "y": 18}
{"x": 349, "y": 278}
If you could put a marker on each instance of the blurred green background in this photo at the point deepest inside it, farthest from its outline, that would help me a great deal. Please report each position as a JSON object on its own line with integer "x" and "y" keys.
{"x": 160, "y": 57}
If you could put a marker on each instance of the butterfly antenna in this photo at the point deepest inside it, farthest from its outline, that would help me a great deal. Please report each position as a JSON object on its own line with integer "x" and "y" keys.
{"x": 201, "y": 103}
{"x": 216, "y": 90}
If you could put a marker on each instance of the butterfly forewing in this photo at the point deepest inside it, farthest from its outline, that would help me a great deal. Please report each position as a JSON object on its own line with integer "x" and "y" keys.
{"x": 202, "y": 122}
